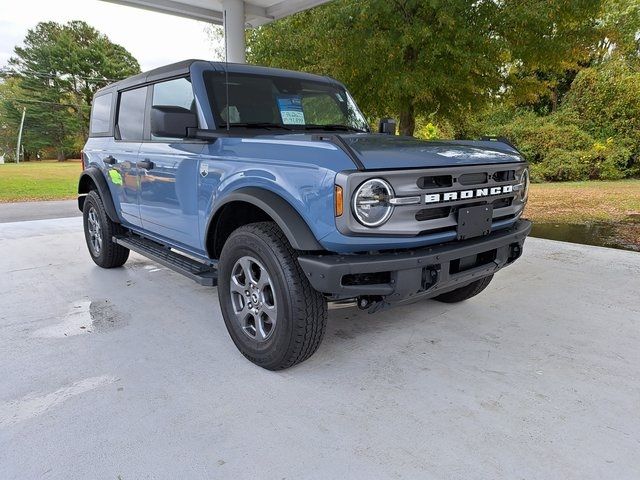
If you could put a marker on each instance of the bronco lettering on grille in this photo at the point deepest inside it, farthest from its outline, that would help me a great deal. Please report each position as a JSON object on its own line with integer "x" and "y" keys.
{"x": 467, "y": 194}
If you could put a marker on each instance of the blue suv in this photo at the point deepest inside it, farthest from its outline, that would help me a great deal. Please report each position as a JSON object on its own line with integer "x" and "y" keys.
{"x": 269, "y": 184}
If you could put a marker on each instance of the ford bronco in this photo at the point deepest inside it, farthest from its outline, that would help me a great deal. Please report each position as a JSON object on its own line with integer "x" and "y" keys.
{"x": 269, "y": 184}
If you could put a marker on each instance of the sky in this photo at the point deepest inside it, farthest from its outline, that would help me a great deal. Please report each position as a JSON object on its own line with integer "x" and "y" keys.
{"x": 154, "y": 39}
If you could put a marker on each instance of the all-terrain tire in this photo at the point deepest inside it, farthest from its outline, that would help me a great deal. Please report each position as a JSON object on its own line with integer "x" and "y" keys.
{"x": 108, "y": 254}
{"x": 463, "y": 293}
{"x": 301, "y": 315}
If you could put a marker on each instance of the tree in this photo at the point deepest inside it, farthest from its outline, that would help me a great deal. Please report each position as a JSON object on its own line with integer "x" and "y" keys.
{"x": 8, "y": 126}
{"x": 58, "y": 70}
{"x": 619, "y": 28}
{"x": 614, "y": 31}
{"x": 416, "y": 57}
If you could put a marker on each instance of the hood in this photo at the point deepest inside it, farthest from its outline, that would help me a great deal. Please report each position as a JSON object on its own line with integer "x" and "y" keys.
{"x": 379, "y": 152}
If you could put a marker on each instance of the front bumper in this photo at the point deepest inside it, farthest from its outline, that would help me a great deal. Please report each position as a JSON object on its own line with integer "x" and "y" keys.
{"x": 424, "y": 272}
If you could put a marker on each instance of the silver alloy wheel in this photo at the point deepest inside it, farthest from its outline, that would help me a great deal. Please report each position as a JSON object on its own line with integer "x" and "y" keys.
{"x": 253, "y": 298}
{"x": 95, "y": 231}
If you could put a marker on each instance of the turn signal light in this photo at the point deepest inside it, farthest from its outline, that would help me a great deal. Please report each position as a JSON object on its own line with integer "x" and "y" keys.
{"x": 339, "y": 201}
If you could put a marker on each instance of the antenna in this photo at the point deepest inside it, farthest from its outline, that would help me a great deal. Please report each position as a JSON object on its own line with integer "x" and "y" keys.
{"x": 226, "y": 65}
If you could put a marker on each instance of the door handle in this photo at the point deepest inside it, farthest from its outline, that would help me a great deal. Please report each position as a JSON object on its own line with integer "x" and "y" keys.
{"x": 146, "y": 164}
{"x": 110, "y": 160}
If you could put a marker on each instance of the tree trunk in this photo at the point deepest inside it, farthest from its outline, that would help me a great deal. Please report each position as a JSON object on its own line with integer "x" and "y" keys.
{"x": 407, "y": 119}
{"x": 61, "y": 157}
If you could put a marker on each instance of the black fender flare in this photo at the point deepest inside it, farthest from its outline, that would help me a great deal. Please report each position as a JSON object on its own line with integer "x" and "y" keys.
{"x": 288, "y": 219}
{"x": 94, "y": 175}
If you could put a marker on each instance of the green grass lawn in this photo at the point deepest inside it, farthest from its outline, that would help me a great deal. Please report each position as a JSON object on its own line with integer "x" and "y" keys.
{"x": 44, "y": 180}
{"x": 581, "y": 202}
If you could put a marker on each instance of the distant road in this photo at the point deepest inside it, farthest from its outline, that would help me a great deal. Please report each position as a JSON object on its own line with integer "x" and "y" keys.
{"x": 22, "y": 211}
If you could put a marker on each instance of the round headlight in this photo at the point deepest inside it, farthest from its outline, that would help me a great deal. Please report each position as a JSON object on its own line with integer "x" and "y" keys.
{"x": 524, "y": 182}
{"x": 371, "y": 202}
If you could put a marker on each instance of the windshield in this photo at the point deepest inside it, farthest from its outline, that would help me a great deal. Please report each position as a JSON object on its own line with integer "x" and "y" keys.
{"x": 263, "y": 101}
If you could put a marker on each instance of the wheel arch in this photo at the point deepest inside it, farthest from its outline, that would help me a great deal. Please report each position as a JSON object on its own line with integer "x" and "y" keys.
{"x": 252, "y": 204}
{"x": 93, "y": 179}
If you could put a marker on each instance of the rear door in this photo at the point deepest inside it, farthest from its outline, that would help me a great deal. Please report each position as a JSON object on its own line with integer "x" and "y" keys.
{"x": 168, "y": 179}
{"x": 122, "y": 163}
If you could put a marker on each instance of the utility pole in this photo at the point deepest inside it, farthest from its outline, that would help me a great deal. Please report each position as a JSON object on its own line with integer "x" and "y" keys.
{"x": 24, "y": 112}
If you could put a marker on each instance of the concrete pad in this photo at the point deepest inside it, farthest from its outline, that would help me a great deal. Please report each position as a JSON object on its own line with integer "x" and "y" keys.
{"x": 24, "y": 211}
{"x": 129, "y": 373}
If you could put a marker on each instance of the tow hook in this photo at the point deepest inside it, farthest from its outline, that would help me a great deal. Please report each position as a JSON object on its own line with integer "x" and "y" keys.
{"x": 371, "y": 303}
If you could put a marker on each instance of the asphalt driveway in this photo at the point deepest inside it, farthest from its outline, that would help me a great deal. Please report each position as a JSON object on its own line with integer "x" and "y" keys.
{"x": 22, "y": 211}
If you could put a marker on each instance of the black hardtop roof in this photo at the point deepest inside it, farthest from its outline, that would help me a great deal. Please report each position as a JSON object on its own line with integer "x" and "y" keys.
{"x": 183, "y": 67}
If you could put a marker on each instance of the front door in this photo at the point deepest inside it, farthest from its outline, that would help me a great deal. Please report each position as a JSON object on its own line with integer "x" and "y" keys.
{"x": 169, "y": 173}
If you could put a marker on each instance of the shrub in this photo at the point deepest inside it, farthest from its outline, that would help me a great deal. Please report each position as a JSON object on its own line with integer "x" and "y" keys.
{"x": 429, "y": 130}
{"x": 536, "y": 136}
{"x": 603, "y": 161}
{"x": 560, "y": 166}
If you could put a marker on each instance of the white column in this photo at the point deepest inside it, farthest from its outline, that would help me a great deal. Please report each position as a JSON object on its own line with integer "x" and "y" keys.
{"x": 234, "y": 30}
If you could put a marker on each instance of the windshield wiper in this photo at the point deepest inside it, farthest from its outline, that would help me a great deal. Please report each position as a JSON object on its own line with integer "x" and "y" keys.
{"x": 334, "y": 127}
{"x": 265, "y": 125}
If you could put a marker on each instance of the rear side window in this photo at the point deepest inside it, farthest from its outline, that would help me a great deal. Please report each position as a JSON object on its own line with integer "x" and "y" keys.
{"x": 100, "y": 123}
{"x": 131, "y": 114}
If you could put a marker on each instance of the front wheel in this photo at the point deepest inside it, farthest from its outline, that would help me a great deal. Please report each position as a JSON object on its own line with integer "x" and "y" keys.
{"x": 273, "y": 315}
{"x": 466, "y": 292}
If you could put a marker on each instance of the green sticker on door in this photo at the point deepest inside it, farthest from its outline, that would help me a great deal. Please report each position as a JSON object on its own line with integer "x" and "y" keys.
{"x": 115, "y": 177}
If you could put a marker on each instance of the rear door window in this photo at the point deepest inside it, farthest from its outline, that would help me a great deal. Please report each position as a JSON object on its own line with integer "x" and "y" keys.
{"x": 131, "y": 114}
{"x": 100, "y": 123}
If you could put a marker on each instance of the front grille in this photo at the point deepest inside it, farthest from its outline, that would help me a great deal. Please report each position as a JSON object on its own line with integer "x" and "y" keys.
{"x": 435, "y": 181}
{"x": 504, "y": 176}
{"x": 502, "y": 202}
{"x": 473, "y": 178}
{"x": 443, "y": 216}
{"x": 434, "y": 213}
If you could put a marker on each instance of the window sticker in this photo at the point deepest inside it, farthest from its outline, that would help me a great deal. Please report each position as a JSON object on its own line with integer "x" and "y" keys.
{"x": 291, "y": 110}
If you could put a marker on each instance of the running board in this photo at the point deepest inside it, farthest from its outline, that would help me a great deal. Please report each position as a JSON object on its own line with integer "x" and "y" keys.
{"x": 203, "y": 273}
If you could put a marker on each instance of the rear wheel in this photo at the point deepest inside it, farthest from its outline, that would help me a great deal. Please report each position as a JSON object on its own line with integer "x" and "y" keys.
{"x": 99, "y": 231}
{"x": 463, "y": 293}
{"x": 273, "y": 315}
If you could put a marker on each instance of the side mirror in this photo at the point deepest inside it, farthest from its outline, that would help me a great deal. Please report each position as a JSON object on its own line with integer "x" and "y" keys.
{"x": 169, "y": 121}
{"x": 387, "y": 126}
